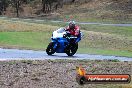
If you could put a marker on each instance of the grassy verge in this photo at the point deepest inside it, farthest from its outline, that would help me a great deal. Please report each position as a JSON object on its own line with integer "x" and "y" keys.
{"x": 28, "y": 40}
{"x": 105, "y": 52}
{"x": 40, "y": 40}
{"x": 118, "y": 30}
{"x": 106, "y": 40}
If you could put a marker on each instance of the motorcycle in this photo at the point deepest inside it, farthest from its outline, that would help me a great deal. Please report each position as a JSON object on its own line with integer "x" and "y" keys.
{"x": 63, "y": 42}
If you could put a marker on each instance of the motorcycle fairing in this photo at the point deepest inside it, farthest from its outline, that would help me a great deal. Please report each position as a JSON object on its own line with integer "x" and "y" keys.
{"x": 60, "y": 44}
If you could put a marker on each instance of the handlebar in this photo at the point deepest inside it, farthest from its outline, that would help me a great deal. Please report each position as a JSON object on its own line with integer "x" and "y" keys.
{"x": 69, "y": 36}
{"x": 73, "y": 37}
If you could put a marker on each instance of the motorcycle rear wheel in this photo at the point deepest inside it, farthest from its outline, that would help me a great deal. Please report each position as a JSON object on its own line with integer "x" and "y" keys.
{"x": 50, "y": 49}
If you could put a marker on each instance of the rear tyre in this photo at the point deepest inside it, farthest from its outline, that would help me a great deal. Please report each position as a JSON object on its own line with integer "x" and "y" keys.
{"x": 71, "y": 49}
{"x": 50, "y": 50}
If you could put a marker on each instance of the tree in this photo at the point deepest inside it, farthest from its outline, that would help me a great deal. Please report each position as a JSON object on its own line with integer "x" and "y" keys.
{"x": 17, "y": 5}
{"x": 3, "y": 5}
{"x": 47, "y": 5}
{"x": 59, "y": 4}
{"x": 73, "y": 1}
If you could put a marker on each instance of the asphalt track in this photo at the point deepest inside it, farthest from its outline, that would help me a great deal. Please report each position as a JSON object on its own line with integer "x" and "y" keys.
{"x": 94, "y": 23}
{"x": 16, "y": 54}
{"x": 57, "y": 21}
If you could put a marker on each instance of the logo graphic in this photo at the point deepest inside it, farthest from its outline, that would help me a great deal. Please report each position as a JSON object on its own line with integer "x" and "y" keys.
{"x": 83, "y": 78}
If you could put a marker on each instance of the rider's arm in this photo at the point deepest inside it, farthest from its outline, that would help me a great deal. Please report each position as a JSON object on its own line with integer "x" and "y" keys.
{"x": 77, "y": 31}
{"x": 67, "y": 28}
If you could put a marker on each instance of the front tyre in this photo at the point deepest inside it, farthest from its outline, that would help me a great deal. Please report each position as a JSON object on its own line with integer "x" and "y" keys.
{"x": 71, "y": 49}
{"x": 50, "y": 50}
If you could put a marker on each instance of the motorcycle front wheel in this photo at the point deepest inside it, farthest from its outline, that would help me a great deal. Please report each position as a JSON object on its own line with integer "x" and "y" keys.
{"x": 50, "y": 49}
{"x": 71, "y": 49}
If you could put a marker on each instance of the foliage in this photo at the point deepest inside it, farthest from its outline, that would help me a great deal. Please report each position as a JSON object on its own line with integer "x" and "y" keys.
{"x": 3, "y": 5}
{"x": 47, "y": 5}
{"x": 17, "y": 5}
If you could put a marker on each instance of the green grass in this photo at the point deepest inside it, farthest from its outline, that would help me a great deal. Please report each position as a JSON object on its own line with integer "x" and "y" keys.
{"x": 119, "y": 30}
{"x": 40, "y": 40}
{"x": 106, "y": 40}
{"x": 105, "y": 52}
{"x": 29, "y": 40}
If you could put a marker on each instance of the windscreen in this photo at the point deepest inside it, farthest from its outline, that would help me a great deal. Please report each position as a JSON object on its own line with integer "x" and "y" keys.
{"x": 61, "y": 30}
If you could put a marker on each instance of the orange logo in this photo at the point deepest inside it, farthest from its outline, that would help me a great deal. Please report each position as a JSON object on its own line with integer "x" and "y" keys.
{"x": 83, "y": 78}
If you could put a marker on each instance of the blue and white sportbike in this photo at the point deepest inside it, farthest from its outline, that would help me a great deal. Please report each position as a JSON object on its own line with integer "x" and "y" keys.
{"x": 63, "y": 42}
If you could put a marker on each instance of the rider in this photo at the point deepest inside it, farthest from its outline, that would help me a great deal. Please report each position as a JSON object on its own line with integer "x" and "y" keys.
{"x": 74, "y": 30}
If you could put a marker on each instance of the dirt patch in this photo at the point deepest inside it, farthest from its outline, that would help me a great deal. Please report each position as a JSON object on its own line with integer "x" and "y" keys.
{"x": 55, "y": 73}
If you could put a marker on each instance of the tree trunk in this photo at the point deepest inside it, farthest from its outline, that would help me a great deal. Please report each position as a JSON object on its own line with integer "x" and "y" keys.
{"x": 17, "y": 7}
{"x": 1, "y": 8}
{"x": 73, "y": 1}
{"x": 43, "y": 5}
